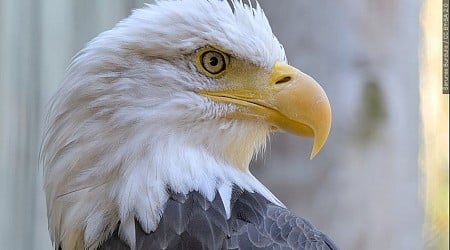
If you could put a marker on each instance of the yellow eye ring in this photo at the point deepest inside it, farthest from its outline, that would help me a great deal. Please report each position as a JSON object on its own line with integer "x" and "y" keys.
{"x": 212, "y": 62}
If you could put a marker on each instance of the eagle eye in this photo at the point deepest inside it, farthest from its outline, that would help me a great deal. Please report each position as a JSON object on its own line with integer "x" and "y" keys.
{"x": 212, "y": 62}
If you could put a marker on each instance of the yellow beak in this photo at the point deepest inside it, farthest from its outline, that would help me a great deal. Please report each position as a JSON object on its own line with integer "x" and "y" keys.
{"x": 291, "y": 101}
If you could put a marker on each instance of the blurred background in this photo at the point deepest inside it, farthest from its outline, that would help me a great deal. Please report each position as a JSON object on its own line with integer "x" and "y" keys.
{"x": 381, "y": 181}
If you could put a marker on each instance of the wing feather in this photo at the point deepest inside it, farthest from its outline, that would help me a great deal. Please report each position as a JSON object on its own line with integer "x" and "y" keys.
{"x": 192, "y": 222}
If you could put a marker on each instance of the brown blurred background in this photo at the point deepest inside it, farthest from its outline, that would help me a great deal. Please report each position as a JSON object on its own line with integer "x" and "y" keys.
{"x": 381, "y": 182}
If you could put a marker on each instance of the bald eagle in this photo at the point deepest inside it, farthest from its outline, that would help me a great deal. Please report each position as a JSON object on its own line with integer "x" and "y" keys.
{"x": 148, "y": 141}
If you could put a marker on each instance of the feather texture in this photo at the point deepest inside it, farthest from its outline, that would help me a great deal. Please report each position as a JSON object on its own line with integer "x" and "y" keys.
{"x": 192, "y": 222}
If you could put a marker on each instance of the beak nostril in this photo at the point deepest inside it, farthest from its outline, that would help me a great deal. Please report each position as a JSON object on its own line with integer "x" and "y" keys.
{"x": 284, "y": 80}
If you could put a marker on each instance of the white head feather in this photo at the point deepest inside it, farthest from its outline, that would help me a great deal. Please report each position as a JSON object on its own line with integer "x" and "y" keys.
{"x": 126, "y": 123}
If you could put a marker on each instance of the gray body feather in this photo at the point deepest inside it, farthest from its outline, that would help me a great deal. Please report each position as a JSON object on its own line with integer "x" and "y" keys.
{"x": 192, "y": 222}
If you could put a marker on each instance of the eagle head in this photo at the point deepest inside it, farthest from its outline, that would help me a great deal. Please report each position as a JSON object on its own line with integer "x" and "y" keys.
{"x": 180, "y": 95}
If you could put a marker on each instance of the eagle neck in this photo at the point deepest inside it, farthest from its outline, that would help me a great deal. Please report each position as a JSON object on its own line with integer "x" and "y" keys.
{"x": 182, "y": 168}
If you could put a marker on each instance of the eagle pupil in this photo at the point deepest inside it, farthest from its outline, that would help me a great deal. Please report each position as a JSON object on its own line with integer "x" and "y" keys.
{"x": 214, "y": 61}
